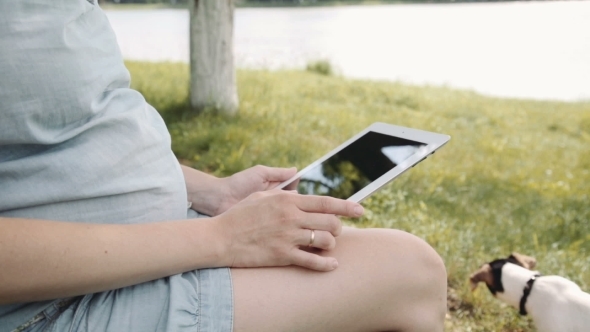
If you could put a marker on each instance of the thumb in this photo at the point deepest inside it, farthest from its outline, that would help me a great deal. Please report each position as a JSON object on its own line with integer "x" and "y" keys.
{"x": 276, "y": 174}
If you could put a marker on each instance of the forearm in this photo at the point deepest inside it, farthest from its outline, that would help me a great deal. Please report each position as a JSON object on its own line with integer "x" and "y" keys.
{"x": 46, "y": 259}
{"x": 205, "y": 191}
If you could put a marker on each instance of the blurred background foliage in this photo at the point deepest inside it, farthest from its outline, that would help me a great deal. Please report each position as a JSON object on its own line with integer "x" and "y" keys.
{"x": 515, "y": 176}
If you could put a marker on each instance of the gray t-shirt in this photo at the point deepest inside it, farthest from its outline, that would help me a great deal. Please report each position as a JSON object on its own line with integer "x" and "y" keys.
{"x": 76, "y": 143}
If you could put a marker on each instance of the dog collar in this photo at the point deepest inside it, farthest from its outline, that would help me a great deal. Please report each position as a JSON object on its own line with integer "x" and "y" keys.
{"x": 526, "y": 292}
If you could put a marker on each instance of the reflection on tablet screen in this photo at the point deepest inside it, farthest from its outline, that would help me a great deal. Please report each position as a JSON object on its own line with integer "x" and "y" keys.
{"x": 356, "y": 166}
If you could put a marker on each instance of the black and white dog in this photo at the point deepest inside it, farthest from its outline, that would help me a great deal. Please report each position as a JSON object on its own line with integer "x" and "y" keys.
{"x": 555, "y": 304}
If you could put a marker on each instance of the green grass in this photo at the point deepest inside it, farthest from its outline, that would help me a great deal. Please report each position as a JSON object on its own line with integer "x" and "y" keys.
{"x": 515, "y": 176}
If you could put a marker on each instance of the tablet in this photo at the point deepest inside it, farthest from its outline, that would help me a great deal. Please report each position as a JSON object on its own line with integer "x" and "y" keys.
{"x": 366, "y": 162}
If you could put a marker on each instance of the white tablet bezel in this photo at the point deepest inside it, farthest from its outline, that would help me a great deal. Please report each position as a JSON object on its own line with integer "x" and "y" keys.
{"x": 433, "y": 142}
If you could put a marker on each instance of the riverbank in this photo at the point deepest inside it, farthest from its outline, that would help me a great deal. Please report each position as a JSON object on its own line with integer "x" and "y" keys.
{"x": 397, "y": 43}
{"x": 515, "y": 176}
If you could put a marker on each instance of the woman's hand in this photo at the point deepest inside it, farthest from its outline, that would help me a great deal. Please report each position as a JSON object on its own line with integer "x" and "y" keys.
{"x": 272, "y": 228}
{"x": 213, "y": 196}
{"x": 251, "y": 180}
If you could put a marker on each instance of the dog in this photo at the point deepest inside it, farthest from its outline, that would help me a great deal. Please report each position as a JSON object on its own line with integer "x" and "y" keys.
{"x": 555, "y": 304}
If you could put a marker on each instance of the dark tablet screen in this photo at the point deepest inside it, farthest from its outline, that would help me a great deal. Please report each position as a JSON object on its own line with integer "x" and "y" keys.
{"x": 356, "y": 166}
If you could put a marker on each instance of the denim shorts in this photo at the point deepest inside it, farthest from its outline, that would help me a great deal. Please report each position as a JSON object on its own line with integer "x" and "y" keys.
{"x": 196, "y": 301}
{"x": 199, "y": 300}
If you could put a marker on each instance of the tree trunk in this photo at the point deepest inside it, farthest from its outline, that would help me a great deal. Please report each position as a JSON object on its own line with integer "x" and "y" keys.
{"x": 213, "y": 77}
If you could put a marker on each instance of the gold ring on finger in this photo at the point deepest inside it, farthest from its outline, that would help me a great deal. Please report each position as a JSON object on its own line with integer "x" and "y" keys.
{"x": 311, "y": 238}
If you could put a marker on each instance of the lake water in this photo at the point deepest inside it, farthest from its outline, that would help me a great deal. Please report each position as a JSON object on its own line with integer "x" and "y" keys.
{"x": 535, "y": 50}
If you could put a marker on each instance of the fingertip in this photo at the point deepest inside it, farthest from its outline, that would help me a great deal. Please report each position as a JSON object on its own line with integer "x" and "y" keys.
{"x": 288, "y": 170}
{"x": 282, "y": 174}
{"x": 331, "y": 264}
{"x": 334, "y": 264}
{"x": 314, "y": 261}
{"x": 358, "y": 210}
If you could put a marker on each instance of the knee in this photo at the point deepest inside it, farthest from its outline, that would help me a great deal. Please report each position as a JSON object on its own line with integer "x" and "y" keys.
{"x": 401, "y": 255}
{"x": 424, "y": 278}
{"x": 425, "y": 261}
{"x": 408, "y": 279}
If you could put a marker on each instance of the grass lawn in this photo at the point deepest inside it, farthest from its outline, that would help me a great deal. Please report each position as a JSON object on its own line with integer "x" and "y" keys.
{"x": 515, "y": 176}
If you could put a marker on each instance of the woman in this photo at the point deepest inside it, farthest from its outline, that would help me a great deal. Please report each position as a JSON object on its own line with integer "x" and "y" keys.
{"x": 96, "y": 232}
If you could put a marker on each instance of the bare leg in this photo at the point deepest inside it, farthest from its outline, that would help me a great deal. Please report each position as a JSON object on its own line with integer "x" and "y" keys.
{"x": 387, "y": 280}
